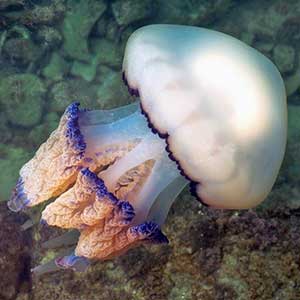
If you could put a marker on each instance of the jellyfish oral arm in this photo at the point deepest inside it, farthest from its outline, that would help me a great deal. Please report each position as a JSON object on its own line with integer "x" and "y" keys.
{"x": 120, "y": 193}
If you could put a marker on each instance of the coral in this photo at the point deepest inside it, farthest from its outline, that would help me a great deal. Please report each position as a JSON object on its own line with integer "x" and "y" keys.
{"x": 79, "y": 20}
{"x": 22, "y": 97}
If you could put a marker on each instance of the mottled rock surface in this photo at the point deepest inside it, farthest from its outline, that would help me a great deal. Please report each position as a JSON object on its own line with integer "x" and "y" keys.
{"x": 22, "y": 98}
{"x": 15, "y": 257}
{"x": 79, "y": 20}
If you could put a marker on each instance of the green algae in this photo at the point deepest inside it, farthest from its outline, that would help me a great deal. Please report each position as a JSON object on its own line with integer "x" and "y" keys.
{"x": 11, "y": 160}
{"x": 56, "y": 69}
{"x": 22, "y": 97}
{"x": 77, "y": 25}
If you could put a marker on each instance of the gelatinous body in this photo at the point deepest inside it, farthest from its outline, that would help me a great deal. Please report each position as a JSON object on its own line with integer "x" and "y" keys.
{"x": 212, "y": 113}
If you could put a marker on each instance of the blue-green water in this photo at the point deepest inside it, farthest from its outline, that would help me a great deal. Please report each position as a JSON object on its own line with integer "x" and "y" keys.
{"x": 53, "y": 53}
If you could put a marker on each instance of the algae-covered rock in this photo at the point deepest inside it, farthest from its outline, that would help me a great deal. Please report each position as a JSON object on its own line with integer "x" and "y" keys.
{"x": 14, "y": 255}
{"x": 104, "y": 52}
{"x": 49, "y": 37}
{"x": 292, "y": 160}
{"x": 7, "y": 3}
{"x": 102, "y": 25}
{"x": 111, "y": 91}
{"x": 44, "y": 14}
{"x": 107, "y": 52}
{"x": 56, "y": 69}
{"x": 78, "y": 22}
{"x": 40, "y": 133}
{"x": 11, "y": 160}
{"x": 284, "y": 57}
{"x": 5, "y": 132}
{"x": 86, "y": 71}
{"x": 187, "y": 12}
{"x": 129, "y": 11}
{"x": 292, "y": 82}
{"x": 22, "y": 98}
{"x": 21, "y": 51}
{"x": 65, "y": 92}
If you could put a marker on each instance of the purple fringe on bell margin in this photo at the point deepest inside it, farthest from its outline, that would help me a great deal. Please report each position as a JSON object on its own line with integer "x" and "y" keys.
{"x": 193, "y": 184}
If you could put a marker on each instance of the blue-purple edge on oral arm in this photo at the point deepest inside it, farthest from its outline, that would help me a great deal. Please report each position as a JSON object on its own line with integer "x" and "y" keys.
{"x": 18, "y": 199}
{"x": 73, "y": 133}
{"x": 98, "y": 185}
{"x": 150, "y": 231}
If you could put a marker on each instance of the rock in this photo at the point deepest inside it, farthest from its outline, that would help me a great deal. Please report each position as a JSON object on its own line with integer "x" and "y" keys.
{"x": 11, "y": 160}
{"x": 129, "y": 11}
{"x": 5, "y": 132}
{"x": 247, "y": 37}
{"x": 60, "y": 96}
{"x": 21, "y": 51}
{"x": 104, "y": 52}
{"x": 40, "y": 133}
{"x": 264, "y": 47}
{"x": 79, "y": 20}
{"x": 56, "y": 69}
{"x": 84, "y": 70}
{"x": 49, "y": 37}
{"x": 19, "y": 31}
{"x": 187, "y": 12}
{"x": 15, "y": 255}
{"x": 102, "y": 25}
{"x": 107, "y": 52}
{"x": 292, "y": 82}
{"x": 284, "y": 57}
{"x": 6, "y": 3}
{"x": 44, "y": 14}
{"x": 22, "y": 98}
{"x": 113, "y": 31}
{"x": 112, "y": 92}
{"x": 65, "y": 92}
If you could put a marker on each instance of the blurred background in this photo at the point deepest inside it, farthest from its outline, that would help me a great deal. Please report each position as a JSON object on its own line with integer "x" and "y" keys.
{"x": 56, "y": 52}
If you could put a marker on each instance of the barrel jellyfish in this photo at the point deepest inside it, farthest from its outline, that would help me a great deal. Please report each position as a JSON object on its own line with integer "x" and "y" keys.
{"x": 211, "y": 112}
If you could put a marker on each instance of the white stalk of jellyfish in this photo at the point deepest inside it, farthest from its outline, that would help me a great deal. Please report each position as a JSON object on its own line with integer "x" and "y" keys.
{"x": 212, "y": 113}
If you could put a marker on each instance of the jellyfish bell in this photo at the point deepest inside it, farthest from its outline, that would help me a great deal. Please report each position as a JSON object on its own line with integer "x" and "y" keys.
{"x": 221, "y": 103}
{"x": 211, "y": 112}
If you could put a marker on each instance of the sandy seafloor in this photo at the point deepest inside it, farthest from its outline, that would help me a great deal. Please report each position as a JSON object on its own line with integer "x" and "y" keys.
{"x": 55, "y": 52}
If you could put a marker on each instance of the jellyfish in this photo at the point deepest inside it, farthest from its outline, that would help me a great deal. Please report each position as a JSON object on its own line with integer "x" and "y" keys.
{"x": 210, "y": 112}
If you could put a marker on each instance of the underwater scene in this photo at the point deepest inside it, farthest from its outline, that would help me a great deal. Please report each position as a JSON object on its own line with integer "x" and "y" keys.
{"x": 149, "y": 149}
